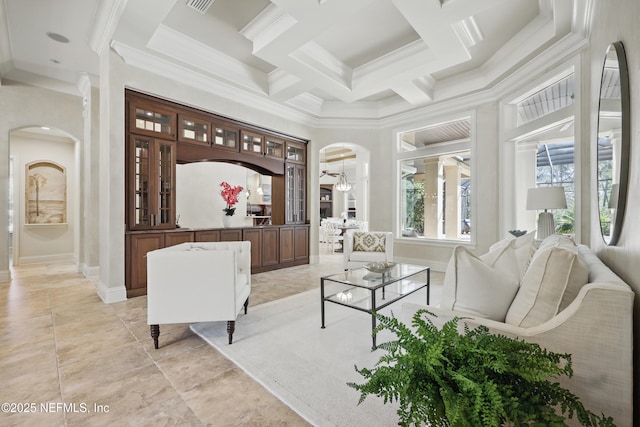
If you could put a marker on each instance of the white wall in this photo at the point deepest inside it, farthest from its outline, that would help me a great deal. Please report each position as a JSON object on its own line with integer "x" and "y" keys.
{"x": 198, "y": 199}
{"x": 618, "y": 22}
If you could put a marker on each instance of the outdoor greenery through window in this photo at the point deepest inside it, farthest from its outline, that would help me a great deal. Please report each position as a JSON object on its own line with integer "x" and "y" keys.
{"x": 435, "y": 182}
{"x": 555, "y": 167}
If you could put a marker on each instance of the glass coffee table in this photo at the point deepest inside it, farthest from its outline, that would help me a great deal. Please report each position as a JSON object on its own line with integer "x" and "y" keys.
{"x": 370, "y": 292}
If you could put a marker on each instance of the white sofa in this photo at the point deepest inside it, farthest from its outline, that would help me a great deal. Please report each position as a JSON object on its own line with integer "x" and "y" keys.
{"x": 198, "y": 282}
{"x": 592, "y": 321}
{"x": 363, "y": 247}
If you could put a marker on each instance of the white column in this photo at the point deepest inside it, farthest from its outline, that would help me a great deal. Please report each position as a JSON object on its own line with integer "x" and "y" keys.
{"x": 452, "y": 199}
{"x": 432, "y": 198}
{"x": 111, "y": 286}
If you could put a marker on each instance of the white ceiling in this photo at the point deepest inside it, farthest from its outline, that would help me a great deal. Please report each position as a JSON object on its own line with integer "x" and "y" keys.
{"x": 322, "y": 59}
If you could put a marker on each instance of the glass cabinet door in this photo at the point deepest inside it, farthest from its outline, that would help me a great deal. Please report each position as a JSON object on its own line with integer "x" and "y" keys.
{"x": 166, "y": 182}
{"x": 226, "y": 138}
{"x": 151, "y": 120}
{"x": 251, "y": 143}
{"x": 193, "y": 130}
{"x": 274, "y": 147}
{"x": 152, "y": 184}
{"x": 141, "y": 182}
{"x": 300, "y": 194}
{"x": 296, "y": 152}
{"x": 295, "y": 177}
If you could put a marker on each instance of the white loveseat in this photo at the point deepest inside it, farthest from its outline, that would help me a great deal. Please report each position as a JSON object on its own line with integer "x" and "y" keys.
{"x": 577, "y": 306}
{"x": 198, "y": 282}
{"x": 363, "y": 247}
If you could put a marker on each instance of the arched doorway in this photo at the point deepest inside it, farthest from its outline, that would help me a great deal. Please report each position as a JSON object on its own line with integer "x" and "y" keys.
{"x": 347, "y": 162}
{"x": 44, "y": 196}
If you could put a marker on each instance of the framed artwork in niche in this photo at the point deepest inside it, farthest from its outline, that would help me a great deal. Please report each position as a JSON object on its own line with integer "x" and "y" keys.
{"x": 46, "y": 193}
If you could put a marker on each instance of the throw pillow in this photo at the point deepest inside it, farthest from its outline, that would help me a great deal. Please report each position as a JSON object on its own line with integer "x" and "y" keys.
{"x": 553, "y": 271}
{"x": 557, "y": 240}
{"x": 482, "y": 286}
{"x": 573, "y": 286}
{"x": 369, "y": 242}
{"x": 524, "y": 247}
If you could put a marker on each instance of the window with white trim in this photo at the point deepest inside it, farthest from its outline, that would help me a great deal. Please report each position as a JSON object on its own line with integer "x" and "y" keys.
{"x": 435, "y": 181}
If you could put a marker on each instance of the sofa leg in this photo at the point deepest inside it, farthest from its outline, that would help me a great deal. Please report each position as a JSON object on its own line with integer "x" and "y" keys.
{"x": 231, "y": 327}
{"x": 155, "y": 333}
{"x": 246, "y": 304}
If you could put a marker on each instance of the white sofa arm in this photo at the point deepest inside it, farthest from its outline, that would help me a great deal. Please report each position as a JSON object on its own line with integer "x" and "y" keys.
{"x": 596, "y": 329}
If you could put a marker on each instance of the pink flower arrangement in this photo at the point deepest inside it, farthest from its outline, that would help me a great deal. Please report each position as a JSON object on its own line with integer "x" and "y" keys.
{"x": 230, "y": 196}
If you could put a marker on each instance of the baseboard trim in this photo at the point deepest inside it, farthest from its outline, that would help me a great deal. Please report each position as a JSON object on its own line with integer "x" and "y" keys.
{"x": 42, "y": 259}
{"x": 434, "y": 265}
{"x": 90, "y": 272}
{"x": 110, "y": 295}
{"x": 5, "y": 276}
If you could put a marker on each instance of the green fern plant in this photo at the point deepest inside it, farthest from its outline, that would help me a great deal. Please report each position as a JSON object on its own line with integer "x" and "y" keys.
{"x": 443, "y": 378}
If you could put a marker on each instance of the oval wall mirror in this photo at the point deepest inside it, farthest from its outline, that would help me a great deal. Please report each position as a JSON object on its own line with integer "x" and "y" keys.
{"x": 613, "y": 142}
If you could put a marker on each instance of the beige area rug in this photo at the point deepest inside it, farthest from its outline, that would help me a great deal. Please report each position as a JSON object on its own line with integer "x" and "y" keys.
{"x": 281, "y": 345}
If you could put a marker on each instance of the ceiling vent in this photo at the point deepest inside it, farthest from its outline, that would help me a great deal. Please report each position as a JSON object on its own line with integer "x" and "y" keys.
{"x": 200, "y": 5}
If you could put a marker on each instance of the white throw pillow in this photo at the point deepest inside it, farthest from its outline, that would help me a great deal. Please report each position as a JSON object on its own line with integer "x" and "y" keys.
{"x": 553, "y": 271}
{"x": 573, "y": 285}
{"x": 483, "y": 286}
{"x": 369, "y": 242}
{"x": 524, "y": 247}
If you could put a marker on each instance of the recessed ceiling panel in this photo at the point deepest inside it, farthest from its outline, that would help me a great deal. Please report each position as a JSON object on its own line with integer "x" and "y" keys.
{"x": 513, "y": 16}
{"x": 373, "y": 32}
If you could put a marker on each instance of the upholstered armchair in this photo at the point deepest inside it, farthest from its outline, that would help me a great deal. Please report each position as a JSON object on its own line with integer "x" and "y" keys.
{"x": 198, "y": 282}
{"x": 363, "y": 247}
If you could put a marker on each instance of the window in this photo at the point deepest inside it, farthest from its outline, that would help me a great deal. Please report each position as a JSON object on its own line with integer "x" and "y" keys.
{"x": 553, "y": 97}
{"x": 435, "y": 182}
{"x": 555, "y": 167}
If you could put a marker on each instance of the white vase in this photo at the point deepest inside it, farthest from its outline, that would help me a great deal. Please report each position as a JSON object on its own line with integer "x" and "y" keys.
{"x": 226, "y": 221}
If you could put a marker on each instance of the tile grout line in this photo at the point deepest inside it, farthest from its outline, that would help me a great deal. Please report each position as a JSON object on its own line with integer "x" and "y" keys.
{"x": 55, "y": 344}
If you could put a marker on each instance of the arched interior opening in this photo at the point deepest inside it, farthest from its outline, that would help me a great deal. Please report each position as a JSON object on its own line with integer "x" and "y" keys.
{"x": 43, "y": 206}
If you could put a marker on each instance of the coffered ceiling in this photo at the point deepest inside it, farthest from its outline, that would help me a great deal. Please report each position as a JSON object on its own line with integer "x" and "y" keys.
{"x": 321, "y": 59}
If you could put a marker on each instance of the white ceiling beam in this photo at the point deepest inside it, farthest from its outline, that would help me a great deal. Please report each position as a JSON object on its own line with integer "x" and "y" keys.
{"x": 180, "y": 47}
{"x": 284, "y": 85}
{"x": 417, "y": 92}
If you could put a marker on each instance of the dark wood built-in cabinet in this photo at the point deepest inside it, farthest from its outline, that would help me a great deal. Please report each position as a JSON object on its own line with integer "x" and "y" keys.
{"x": 326, "y": 201}
{"x": 161, "y": 134}
{"x": 272, "y": 247}
{"x": 152, "y": 182}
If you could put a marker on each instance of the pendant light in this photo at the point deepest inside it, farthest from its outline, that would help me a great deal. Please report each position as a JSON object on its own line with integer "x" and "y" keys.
{"x": 343, "y": 183}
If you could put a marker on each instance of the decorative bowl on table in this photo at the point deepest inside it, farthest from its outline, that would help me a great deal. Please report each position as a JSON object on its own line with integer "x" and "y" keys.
{"x": 379, "y": 267}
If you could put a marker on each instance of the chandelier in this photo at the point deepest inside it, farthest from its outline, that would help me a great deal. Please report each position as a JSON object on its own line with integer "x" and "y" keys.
{"x": 343, "y": 183}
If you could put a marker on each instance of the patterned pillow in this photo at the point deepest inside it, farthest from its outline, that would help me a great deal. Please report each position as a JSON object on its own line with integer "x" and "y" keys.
{"x": 368, "y": 242}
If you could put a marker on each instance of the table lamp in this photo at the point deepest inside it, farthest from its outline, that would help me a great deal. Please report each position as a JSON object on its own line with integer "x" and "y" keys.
{"x": 546, "y": 198}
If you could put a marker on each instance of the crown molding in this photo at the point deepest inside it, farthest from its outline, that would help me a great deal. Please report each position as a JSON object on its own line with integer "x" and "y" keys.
{"x": 105, "y": 22}
{"x": 6, "y": 64}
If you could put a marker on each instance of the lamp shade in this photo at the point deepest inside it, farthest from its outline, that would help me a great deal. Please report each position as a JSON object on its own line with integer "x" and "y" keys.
{"x": 546, "y": 198}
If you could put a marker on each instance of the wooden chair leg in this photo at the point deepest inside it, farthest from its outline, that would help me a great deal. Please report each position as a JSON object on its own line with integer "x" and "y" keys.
{"x": 246, "y": 304}
{"x": 231, "y": 327}
{"x": 155, "y": 333}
